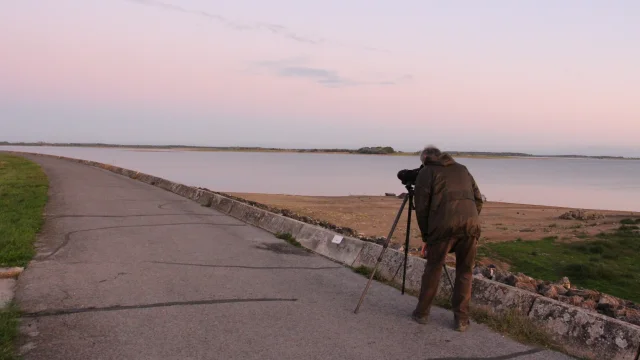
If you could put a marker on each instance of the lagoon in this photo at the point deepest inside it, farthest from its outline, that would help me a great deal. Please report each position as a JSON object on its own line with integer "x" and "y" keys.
{"x": 605, "y": 184}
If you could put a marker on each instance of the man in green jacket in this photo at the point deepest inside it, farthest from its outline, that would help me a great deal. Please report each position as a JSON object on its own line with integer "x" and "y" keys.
{"x": 447, "y": 205}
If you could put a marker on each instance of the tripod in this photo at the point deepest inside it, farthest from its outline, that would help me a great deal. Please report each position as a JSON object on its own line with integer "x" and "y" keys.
{"x": 407, "y": 199}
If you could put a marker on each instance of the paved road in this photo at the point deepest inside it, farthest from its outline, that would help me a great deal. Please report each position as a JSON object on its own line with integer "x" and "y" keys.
{"x": 128, "y": 271}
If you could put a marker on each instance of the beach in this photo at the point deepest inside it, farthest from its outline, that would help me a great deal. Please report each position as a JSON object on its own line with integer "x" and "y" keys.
{"x": 374, "y": 215}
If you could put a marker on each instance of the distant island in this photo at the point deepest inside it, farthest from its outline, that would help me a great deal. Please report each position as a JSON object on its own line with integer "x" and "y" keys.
{"x": 375, "y": 150}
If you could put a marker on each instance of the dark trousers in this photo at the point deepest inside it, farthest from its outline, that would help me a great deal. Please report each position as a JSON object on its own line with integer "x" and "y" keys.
{"x": 465, "y": 249}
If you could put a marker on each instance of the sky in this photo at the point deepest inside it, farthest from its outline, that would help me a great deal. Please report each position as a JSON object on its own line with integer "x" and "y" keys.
{"x": 543, "y": 77}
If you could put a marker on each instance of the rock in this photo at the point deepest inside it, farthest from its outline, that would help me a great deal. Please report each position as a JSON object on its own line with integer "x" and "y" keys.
{"x": 501, "y": 275}
{"x": 574, "y": 300}
{"x": 6, "y": 273}
{"x": 588, "y": 304}
{"x": 581, "y": 215}
{"x": 571, "y": 300}
{"x": 488, "y": 272}
{"x": 608, "y": 305}
{"x": 389, "y": 194}
{"x": 631, "y": 316}
{"x": 608, "y": 300}
{"x": 552, "y": 291}
{"x": 549, "y": 291}
{"x": 585, "y": 294}
{"x": 564, "y": 282}
{"x": 522, "y": 281}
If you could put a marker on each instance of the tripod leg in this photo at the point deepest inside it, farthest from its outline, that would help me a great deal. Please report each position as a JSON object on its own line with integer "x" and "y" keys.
{"x": 406, "y": 241}
{"x": 384, "y": 248}
{"x": 444, "y": 267}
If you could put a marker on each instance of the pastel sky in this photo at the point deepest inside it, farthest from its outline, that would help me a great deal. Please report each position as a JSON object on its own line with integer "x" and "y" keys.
{"x": 542, "y": 76}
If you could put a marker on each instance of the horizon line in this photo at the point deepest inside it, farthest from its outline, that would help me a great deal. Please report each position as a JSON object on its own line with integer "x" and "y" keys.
{"x": 353, "y": 150}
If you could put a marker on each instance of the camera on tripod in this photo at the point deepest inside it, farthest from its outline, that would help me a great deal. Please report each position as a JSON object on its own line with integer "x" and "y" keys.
{"x": 408, "y": 177}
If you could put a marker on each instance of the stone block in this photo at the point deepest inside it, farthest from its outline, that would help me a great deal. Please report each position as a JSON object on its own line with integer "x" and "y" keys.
{"x": 247, "y": 213}
{"x": 391, "y": 262}
{"x": 190, "y": 192}
{"x": 319, "y": 240}
{"x": 128, "y": 173}
{"x": 183, "y": 191}
{"x": 368, "y": 255}
{"x": 500, "y": 297}
{"x": 415, "y": 269}
{"x": 151, "y": 180}
{"x": 165, "y": 184}
{"x": 222, "y": 204}
{"x": 585, "y": 333}
{"x": 445, "y": 288}
{"x": 203, "y": 198}
{"x": 118, "y": 170}
{"x": 275, "y": 223}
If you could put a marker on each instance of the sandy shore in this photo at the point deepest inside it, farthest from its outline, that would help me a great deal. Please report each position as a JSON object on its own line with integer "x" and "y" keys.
{"x": 374, "y": 215}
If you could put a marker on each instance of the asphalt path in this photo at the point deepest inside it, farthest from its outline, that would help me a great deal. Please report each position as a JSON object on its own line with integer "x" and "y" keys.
{"x": 125, "y": 270}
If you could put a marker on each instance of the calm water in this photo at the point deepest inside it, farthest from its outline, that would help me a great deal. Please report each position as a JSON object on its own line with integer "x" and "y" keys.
{"x": 586, "y": 183}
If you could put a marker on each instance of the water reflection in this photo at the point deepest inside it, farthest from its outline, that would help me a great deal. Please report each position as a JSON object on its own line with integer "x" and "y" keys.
{"x": 587, "y": 183}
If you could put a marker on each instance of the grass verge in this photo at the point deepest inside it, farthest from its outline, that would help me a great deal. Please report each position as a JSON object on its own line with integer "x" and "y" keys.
{"x": 609, "y": 263}
{"x": 366, "y": 272}
{"x": 289, "y": 238}
{"x": 8, "y": 332}
{"x": 23, "y": 195}
{"x": 510, "y": 323}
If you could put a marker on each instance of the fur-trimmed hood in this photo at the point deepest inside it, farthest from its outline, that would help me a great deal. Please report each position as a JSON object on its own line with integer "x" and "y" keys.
{"x": 443, "y": 160}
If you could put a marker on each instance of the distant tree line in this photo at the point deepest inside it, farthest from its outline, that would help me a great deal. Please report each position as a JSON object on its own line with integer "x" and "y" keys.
{"x": 376, "y": 150}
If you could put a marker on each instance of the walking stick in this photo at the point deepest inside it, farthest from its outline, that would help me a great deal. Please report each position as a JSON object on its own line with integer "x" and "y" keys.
{"x": 384, "y": 248}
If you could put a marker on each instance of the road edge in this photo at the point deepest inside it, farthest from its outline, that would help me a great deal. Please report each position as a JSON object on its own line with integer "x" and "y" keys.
{"x": 582, "y": 333}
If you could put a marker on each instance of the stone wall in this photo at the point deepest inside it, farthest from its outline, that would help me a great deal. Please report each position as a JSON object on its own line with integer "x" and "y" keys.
{"x": 583, "y": 333}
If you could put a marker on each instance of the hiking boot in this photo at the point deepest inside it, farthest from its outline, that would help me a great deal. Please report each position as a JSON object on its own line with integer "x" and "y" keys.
{"x": 419, "y": 319}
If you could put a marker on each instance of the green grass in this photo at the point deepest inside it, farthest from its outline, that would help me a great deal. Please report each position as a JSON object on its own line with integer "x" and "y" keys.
{"x": 366, "y": 272}
{"x": 23, "y": 194}
{"x": 289, "y": 238}
{"x": 609, "y": 263}
{"x": 630, "y": 221}
{"x": 8, "y": 332}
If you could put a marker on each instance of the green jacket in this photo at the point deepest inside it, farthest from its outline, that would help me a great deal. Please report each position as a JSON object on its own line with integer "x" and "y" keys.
{"x": 447, "y": 200}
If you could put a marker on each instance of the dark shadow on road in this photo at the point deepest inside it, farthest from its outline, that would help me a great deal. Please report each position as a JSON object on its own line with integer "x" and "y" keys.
{"x": 284, "y": 248}
{"x": 125, "y": 216}
{"x": 148, "y": 306}
{"x": 250, "y": 267}
{"x": 500, "y": 357}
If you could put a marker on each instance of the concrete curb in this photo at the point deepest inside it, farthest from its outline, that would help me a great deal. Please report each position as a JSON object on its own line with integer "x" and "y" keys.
{"x": 581, "y": 332}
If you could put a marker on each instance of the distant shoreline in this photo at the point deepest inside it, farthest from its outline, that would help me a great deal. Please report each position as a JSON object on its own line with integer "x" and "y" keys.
{"x": 385, "y": 151}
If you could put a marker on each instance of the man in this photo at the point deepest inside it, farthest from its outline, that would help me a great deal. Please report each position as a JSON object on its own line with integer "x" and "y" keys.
{"x": 447, "y": 205}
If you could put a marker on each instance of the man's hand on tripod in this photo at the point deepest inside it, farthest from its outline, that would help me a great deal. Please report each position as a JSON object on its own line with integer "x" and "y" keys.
{"x": 423, "y": 251}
